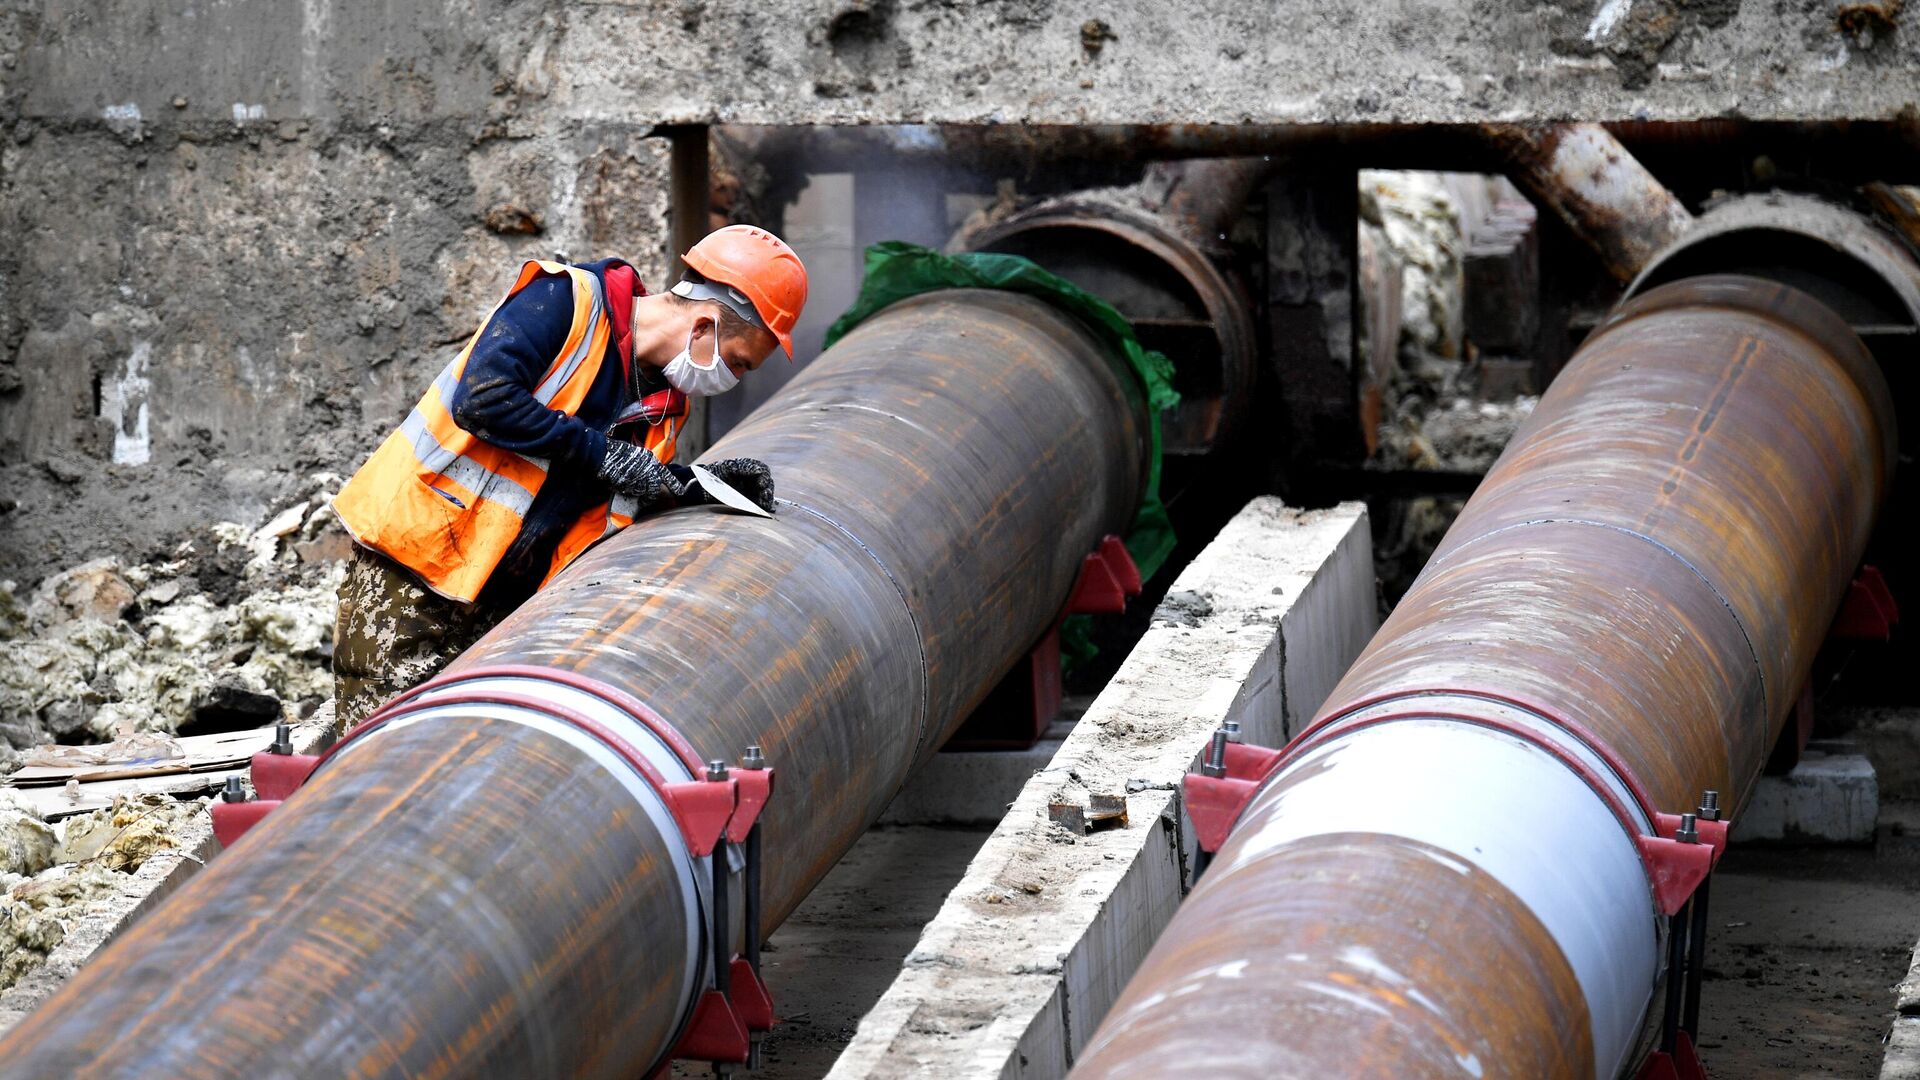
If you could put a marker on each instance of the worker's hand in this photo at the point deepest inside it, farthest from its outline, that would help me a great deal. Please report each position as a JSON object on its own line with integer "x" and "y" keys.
{"x": 630, "y": 470}
{"x": 748, "y": 476}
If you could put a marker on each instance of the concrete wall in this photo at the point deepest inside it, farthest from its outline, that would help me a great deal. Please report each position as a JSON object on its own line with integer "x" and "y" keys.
{"x": 883, "y": 61}
{"x": 236, "y": 239}
{"x": 236, "y": 236}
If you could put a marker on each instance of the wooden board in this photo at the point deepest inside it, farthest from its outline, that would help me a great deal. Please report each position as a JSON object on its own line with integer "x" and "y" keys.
{"x": 53, "y": 802}
{"x": 222, "y": 750}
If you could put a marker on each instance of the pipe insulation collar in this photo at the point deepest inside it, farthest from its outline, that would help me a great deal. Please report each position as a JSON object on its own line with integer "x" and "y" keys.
{"x": 631, "y": 743}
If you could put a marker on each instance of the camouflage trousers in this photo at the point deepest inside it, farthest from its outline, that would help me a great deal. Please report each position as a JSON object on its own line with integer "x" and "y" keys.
{"x": 393, "y": 633}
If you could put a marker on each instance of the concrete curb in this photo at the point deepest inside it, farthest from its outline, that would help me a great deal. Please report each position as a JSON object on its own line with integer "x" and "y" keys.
{"x": 1034, "y": 944}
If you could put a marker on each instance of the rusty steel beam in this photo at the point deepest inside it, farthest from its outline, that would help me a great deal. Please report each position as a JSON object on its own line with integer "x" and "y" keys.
{"x": 1443, "y": 875}
{"x": 1582, "y": 173}
{"x": 479, "y": 888}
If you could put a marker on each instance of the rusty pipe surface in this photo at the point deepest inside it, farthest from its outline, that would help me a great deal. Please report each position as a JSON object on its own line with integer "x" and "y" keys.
{"x": 1156, "y": 250}
{"x": 1440, "y": 879}
{"x": 476, "y": 889}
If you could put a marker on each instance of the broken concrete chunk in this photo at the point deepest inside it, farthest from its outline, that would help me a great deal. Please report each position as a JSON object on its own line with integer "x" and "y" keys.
{"x": 1184, "y": 607}
{"x": 162, "y": 594}
{"x": 95, "y": 590}
{"x": 27, "y": 843}
{"x": 64, "y": 470}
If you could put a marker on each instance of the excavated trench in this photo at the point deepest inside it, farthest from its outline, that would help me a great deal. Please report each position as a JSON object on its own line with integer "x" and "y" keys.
{"x": 229, "y": 629}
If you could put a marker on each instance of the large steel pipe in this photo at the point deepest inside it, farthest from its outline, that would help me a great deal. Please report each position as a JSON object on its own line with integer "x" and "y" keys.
{"x": 480, "y": 888}
{"x": 1441, "y": 878}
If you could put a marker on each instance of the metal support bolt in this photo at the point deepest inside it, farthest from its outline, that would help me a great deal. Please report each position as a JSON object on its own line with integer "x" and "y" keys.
{"x": 233, "y": 792}
{"x": 282, "y": 739}
{"x": 1232, "y": 728}
{"x": 716, "y": 769}
{"x": 1709, "y": 806}
{"x": 753, "y": 759}
{"x": 1216, "y": 763}
{"x": 1689, "y": 832}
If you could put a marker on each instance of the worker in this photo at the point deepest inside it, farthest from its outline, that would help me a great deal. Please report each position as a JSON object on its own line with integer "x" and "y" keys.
{"x": 553, "y": 429}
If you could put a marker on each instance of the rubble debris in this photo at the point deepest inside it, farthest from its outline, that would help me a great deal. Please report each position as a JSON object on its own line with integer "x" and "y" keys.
{"x": 27, "y": 844}
{"x": 128, "y": 833}
{"x": 93, "y": 590}
{"x": 74, "y": 869}
{"x": 1461, "y": 435}
{"x": 233, "y": 630}
{"x": 1416, "y": 221}
{"x": 1441, "y": 406}
{"x": 1436, "y": 413}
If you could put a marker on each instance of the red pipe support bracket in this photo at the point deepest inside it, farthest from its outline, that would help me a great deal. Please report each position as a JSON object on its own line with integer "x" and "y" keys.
{"x": 1214, "y": 804}
{"x": 715, "y": 1033}
{"x": 1015, "y": 716}
{"x": 231, "y": 820}
{"x": 1869, "y": 612}
{"x": 275, "y": 776}
{"x": 1682, "y": 1064}
{"x": 1108, "y": 579}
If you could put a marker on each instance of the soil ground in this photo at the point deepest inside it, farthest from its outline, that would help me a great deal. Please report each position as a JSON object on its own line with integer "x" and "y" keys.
{"x": 1806, "y": 947}
{"x": 830, "y": 961}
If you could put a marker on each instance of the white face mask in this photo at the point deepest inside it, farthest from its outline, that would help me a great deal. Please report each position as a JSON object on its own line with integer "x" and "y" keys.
{"x": 698, "y": 380}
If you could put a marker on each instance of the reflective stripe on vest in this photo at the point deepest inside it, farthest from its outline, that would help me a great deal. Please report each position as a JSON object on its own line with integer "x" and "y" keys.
{"x": 447, "y": 504}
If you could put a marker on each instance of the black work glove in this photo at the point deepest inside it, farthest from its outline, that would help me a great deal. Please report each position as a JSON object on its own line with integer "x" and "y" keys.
{"x": 748, "y": 476}
{"x": 630, "y": 470}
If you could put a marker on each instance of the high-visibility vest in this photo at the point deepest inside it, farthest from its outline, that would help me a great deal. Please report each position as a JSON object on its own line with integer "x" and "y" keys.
{"x": 448, "y": 505}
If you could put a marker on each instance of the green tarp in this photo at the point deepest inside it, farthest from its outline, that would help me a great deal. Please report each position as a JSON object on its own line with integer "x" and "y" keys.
{"x": 896, "y": 271}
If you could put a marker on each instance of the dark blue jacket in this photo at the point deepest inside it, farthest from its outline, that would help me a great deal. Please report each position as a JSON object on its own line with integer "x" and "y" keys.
{"x": 495, "y": 402}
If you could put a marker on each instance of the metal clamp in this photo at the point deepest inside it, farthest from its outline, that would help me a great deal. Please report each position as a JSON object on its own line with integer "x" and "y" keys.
{"x": 275, "y": 772}
{"x": 1676, "y": 1057}
{"x": 731, "y": 1017}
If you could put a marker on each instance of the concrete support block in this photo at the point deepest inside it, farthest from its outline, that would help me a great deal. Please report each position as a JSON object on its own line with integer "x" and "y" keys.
{"x": 1828, "y": 798}
{"x": 1901, "y": 1060}
{"x": 1033, "y": 945}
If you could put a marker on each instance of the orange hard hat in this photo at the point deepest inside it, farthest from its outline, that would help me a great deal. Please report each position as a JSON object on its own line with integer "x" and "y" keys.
{"x": 760, "y": 265}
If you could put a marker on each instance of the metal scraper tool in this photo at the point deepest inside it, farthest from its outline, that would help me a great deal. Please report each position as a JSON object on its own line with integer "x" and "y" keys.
{"x": 724, "y": 493}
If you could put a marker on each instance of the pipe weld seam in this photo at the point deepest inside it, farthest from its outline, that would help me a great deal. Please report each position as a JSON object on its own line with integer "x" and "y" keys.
{"x": 1759, "y": 673}
{"x": 567, "y": 724}
{"x": 919, "y": 637}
